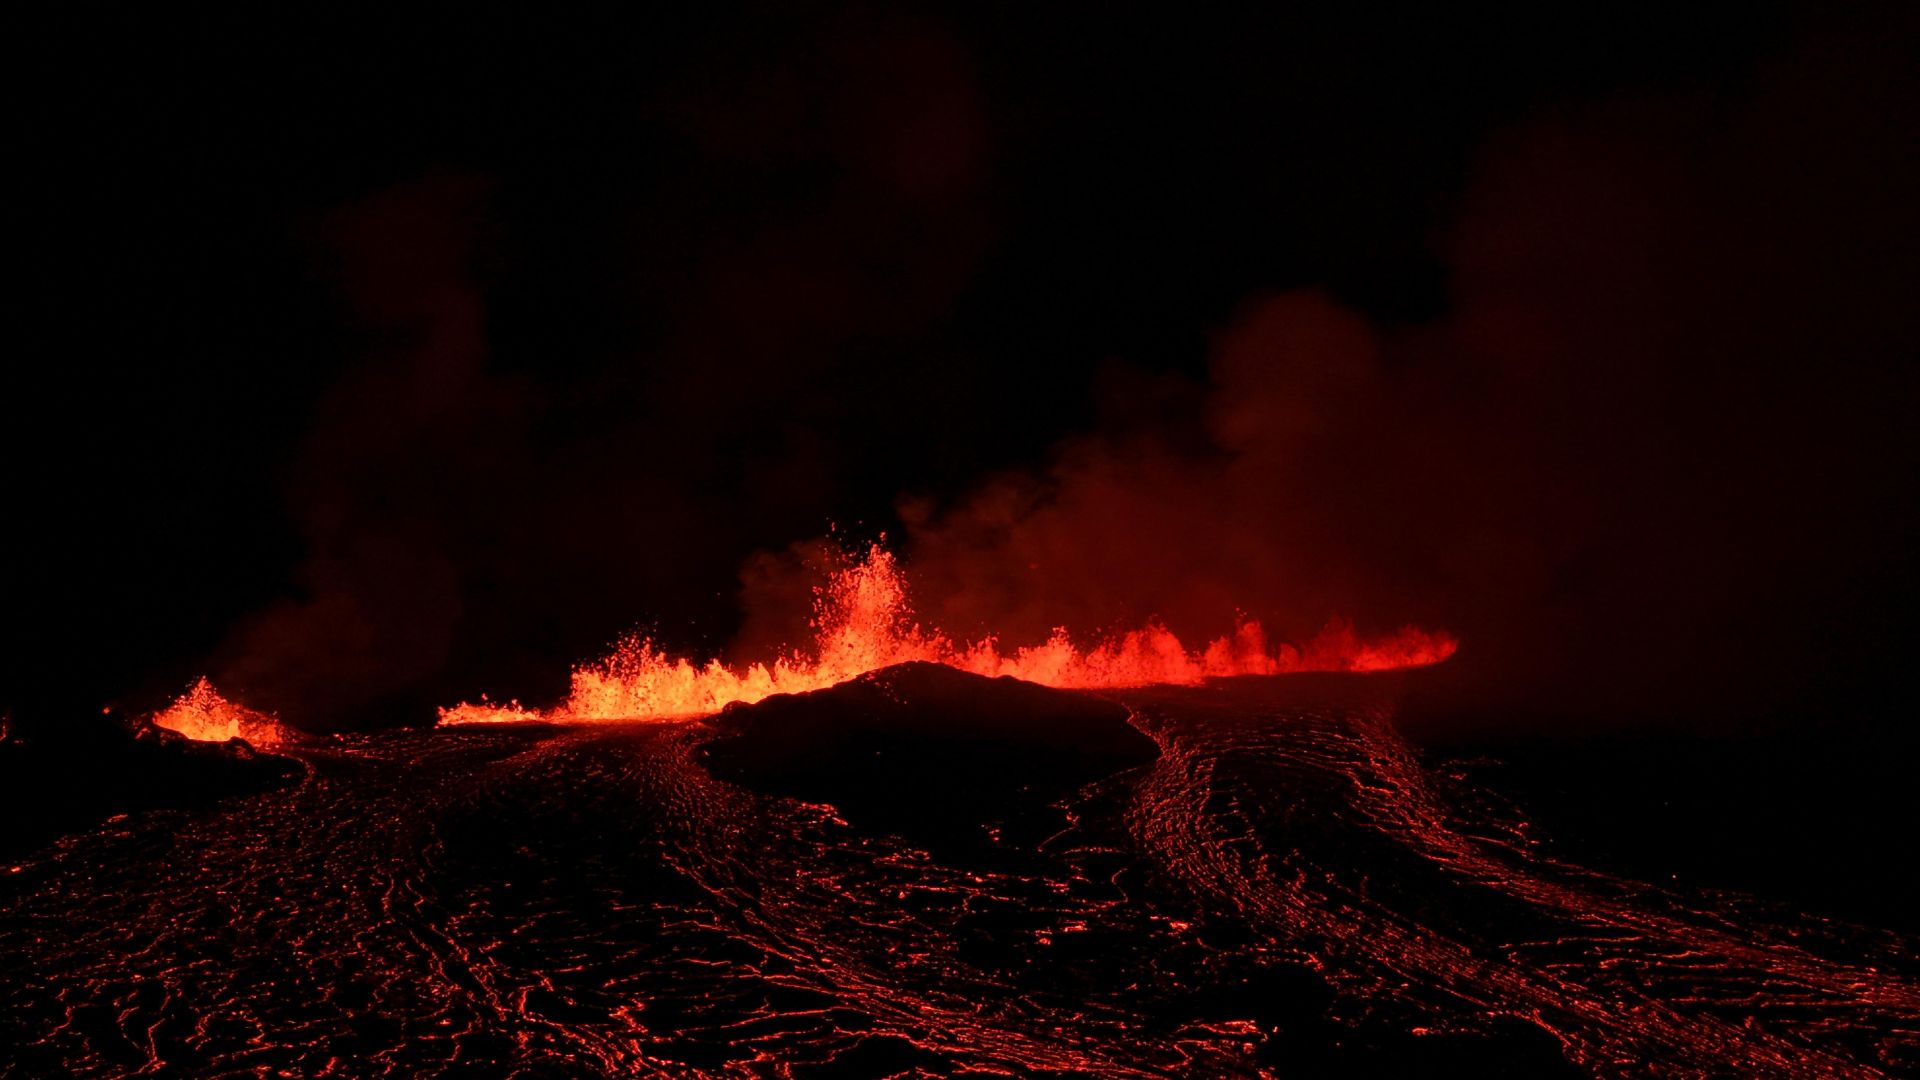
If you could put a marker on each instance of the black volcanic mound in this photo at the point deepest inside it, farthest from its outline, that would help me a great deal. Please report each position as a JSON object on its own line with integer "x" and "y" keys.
{"x": 922, "y": 744}
{"x": 73, "y": 776}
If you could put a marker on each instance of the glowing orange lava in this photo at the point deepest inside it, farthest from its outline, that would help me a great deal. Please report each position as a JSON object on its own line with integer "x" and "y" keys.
{"x": 862, "y": 622}
{"x": 201, "y": 713}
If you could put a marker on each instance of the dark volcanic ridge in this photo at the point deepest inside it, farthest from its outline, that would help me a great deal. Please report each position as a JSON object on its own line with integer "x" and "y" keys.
{"x": 922, "y": 744}
{"x": 71, "y": 778}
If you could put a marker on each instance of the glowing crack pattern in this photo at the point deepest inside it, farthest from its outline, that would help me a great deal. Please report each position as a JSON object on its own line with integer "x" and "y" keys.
{"x": 590, "y": 900}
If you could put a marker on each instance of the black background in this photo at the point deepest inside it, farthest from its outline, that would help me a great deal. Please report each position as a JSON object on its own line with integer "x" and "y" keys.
{"x": 376, "y": 361}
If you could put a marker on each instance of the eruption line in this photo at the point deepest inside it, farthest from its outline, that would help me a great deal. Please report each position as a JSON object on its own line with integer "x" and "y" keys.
{"x": 862, "y": 622}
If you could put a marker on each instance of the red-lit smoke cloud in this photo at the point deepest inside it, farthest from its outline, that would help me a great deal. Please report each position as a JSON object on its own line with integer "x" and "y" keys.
{"x": 1649, "y": 462}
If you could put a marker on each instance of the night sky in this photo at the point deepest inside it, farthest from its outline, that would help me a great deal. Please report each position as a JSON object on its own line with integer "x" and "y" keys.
{"x": 372, "y": 363}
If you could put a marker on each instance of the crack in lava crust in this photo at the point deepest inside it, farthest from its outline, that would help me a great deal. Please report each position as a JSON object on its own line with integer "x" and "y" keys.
{"x": 1285, "y": 879}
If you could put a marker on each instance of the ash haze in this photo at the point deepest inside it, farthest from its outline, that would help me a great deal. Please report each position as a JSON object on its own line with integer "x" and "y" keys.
{"x": 1587, "y": 341}
{"x": 1541, "y": 383}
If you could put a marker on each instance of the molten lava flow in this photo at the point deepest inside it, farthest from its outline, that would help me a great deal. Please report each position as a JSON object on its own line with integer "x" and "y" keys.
{"x": 862, "y": 622}
{"x": 201, "y": 713}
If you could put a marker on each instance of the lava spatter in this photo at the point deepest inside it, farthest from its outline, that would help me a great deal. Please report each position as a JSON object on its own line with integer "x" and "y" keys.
{"x": 863, "y": 622}
{"x": 202, "y": 713}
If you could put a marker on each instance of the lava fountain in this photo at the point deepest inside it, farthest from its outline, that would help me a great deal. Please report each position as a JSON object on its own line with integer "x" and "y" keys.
{"x": 862, "y": 622}
{"x": 202, "y": 713}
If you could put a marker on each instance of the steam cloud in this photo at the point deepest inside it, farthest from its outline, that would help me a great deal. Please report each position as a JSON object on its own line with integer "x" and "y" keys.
{"x": 1650, "y": 446}
{"x": 1651, "y": 453}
